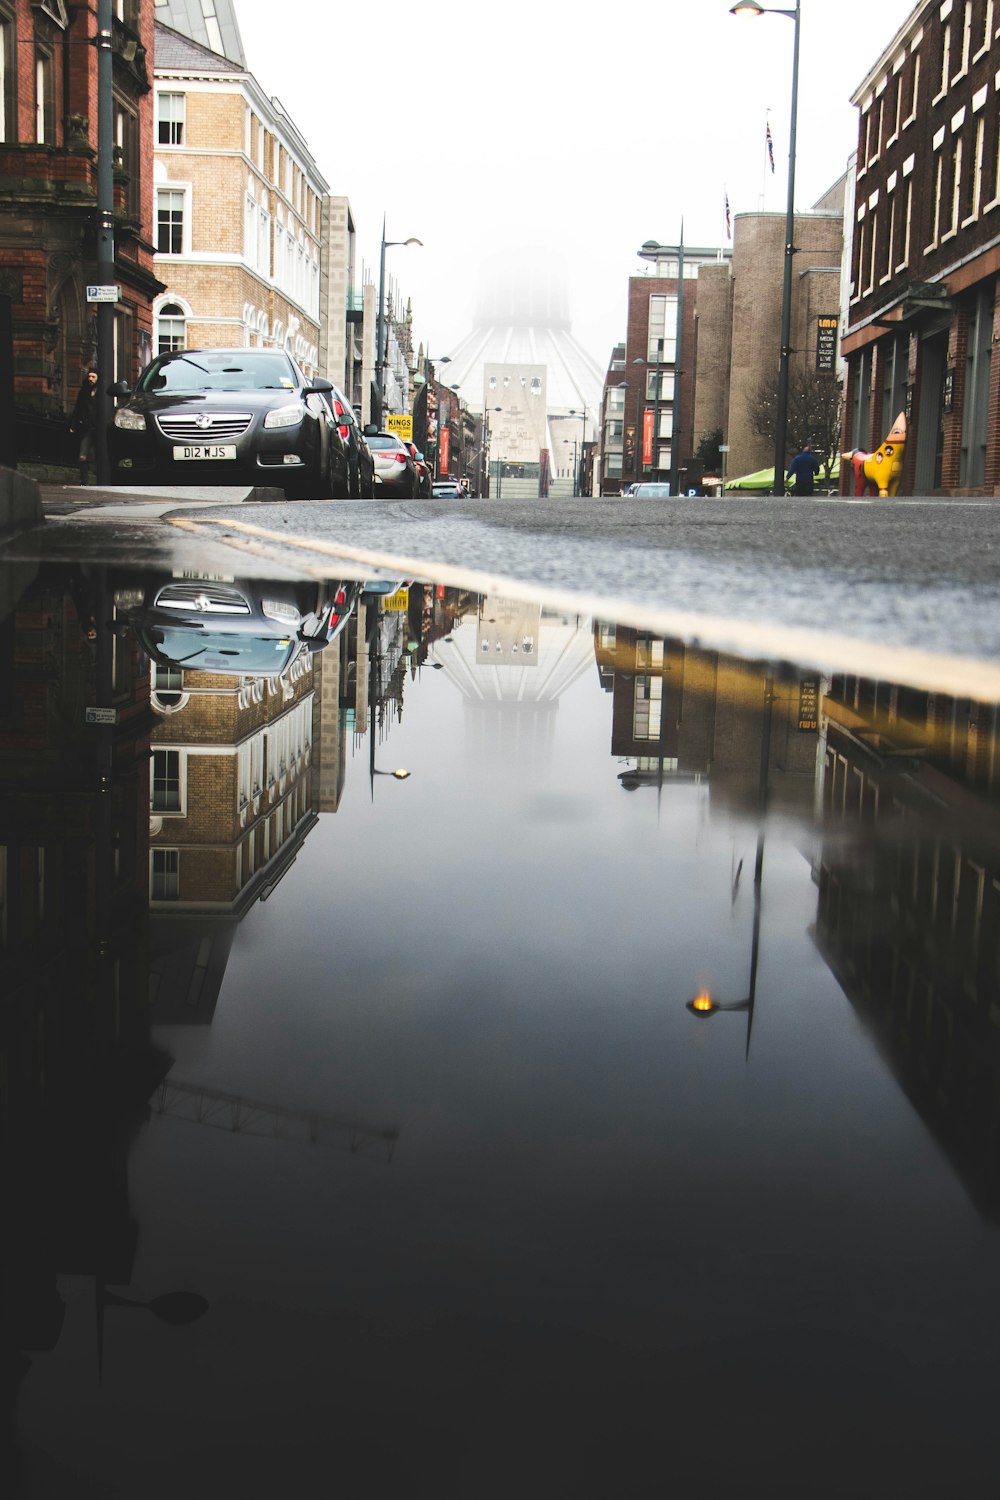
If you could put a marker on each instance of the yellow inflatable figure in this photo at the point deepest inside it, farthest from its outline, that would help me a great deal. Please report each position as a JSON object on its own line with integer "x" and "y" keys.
{"x": 882, "y": 470}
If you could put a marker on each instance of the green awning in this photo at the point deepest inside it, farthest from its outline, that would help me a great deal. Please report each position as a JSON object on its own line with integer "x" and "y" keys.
{"x": 762, "y": 482}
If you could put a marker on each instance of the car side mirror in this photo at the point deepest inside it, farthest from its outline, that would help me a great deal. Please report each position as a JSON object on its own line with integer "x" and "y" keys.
{"x": 320, "y": 386}
{"x": 371, "y": 430}
{"x": 314, "y": 644}
{"x": 120, "y": 388}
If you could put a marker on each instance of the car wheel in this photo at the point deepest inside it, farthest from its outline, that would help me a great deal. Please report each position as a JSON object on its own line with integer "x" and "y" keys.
{"x": 368, "y": 489}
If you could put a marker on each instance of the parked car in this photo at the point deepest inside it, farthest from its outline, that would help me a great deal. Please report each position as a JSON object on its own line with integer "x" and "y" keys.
{"x": 229, "y": 416}
{"x": 424, "y": 476}
{"x": 243, "y": 626}
{"x": 394, "y": 466}
{"x": 650, "y": 490}
{"x": 448, "y": 489}
{"x": 359, "y": 458}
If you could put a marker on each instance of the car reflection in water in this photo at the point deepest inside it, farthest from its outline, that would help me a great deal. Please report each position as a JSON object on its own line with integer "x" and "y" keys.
{"x": 245, "y": 627}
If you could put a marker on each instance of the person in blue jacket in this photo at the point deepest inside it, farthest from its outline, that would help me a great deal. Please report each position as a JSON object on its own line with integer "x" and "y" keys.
{"x": 803, "y": 470}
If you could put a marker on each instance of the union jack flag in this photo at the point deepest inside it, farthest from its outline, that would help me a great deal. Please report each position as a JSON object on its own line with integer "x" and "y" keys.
{"x": 729, "y": 222}
{"x": 770, "y": 146}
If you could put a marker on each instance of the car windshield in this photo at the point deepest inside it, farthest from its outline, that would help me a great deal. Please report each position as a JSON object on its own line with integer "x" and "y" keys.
{"x": 219, "y": 370}
{"x": 218, "y": 650}
{"x": 384, "y": 442}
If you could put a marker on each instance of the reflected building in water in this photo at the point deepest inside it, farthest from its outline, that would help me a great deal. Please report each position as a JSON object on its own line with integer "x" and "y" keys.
{"x": 908, "y": 914}
{"x": 229, "y": 807}
{"x": 681, "y": 713}
{"x": 76, "y": 1061}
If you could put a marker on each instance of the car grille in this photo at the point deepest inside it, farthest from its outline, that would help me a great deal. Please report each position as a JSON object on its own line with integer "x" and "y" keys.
{"x": 199, "y": 594}
{"x": 220, "y": 424}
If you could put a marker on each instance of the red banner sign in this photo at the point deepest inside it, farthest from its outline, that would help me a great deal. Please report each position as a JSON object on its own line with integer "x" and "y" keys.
{"x": 445, "y": 445}
{"x": 647, "y": 437}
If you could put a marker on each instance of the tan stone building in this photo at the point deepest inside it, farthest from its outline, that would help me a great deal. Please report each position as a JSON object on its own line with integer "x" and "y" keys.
{"x": 237, "y": 211}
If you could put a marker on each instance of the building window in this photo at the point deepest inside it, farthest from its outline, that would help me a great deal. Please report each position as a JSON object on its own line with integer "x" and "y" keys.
{"x": 169, "y": 221}
{"x": 938, "y": 183}
{"x": 647, "y": 707}
{"x": 45, "y": 103}
{"x": 907, "y": 217}
{"x": 661, "y": 343}
{"x": 127, "y": 141}
{"x": 165, "y": 882}
{"x": 945, "y": 61}
{"x": 911, "y": 114}
{"x": 861, "y": 400}
{"x": 170, "y": 323}
{"x": 8, "y": 79}
{"x": 976, "y": 191}
{"x": 859, "y": 260}
{"x": 166, "y": 781}
{"x": 976, "y": 401}
{"x": 170, "y": 119}
{"x": 894, "y": 355}
{"x": 986, "y": 36}
{"x": 966, "y": 41}
{"x": 956, "y": 188}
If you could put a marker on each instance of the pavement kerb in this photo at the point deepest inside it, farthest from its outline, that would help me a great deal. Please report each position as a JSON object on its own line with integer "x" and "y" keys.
{"x": 823, "y": 650}
{"x": 20, "y": 502}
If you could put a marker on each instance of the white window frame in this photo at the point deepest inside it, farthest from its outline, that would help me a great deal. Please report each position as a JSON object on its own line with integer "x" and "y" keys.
{"x": 184, "y": 189}
{"x": 171, "y": 120}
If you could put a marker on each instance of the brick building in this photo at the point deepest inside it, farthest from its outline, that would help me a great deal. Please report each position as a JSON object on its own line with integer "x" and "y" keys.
{"x": 755, "y": 320}
{"x": 48, "y": 198}
{"x": 925, "y": 251}
{"x": 654, "y": 397}
{"x": 238, "y": 207}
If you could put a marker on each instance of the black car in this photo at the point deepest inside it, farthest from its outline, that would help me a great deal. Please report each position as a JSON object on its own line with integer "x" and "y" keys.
{"x": 359, "y": 458}
{"x": 229, "y": 416}
{"x": 247, "y": 627}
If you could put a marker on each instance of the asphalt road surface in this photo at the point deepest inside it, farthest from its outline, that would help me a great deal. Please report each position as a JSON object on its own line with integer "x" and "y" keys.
{"x": 895, "y": 588}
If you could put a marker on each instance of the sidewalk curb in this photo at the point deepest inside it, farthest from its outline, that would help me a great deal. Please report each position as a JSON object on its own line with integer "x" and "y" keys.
{"x": 20, "y": 502}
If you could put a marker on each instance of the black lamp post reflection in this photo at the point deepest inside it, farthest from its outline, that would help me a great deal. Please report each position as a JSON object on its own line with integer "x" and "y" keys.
{"x": 703, "y": 1004}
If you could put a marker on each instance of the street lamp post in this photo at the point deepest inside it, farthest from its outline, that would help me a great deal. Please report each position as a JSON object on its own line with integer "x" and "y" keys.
{"x": 380, "y": 351}
{"x": 751, "y": 8}
{"x": 105, "y": 236}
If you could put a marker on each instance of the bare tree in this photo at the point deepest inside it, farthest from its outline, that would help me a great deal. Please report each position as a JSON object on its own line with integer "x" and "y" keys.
{"x": 815, "y": 401}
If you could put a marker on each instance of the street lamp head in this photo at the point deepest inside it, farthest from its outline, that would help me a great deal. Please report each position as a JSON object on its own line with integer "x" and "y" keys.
{"x": 413, "y": 241}
{"x": 746, "y": 8}
{"x": 702, "y": 1004}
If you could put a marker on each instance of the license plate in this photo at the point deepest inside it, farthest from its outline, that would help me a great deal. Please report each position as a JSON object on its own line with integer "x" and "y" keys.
{"x": 201, "y": 451}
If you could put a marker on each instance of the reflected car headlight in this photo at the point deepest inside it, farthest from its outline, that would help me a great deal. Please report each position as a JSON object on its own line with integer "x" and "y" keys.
{"x": 131, "y": 421}
{"x": 277, "y": 609}
{"x": 284, "y": 416}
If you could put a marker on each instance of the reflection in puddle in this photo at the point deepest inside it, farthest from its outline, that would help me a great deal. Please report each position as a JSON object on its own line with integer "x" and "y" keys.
{"x": 550, "y": 924}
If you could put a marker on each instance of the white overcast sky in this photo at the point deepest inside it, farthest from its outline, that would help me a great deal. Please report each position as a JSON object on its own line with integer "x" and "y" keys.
{"x": 577, "y": 130}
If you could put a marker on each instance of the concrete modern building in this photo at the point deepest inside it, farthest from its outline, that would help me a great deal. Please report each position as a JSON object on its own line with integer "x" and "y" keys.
{"x": 925, "y": 250}
{"x": 238, "y": 211}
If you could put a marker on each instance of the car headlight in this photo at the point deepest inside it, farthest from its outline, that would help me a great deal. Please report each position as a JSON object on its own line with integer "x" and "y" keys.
{"x": 132, "y": 421}
{"x": 277, "y": 609}
{"x": 285, "y": 416}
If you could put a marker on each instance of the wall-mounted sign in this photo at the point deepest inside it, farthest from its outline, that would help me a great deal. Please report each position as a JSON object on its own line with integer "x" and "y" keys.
{"x": 445, "y": 450}
{"x": 809, "y": 705}
{"x": 103, "y": 293}
{"x": 948, "y": 391}
{"x": 827, "y": 325}
{"x": 401, "y": 424}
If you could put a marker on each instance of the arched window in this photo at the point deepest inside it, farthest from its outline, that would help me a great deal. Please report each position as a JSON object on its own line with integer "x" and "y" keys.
{"x": 262, "y": 327}
{"x": 170, "y": 325}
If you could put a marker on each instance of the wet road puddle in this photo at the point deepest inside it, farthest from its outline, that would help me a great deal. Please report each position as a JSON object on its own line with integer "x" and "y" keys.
{"x": 456, "y": 1043}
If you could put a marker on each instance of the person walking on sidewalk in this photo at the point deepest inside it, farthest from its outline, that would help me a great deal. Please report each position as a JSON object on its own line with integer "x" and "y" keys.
{"x": 803, "y": 469}
{"x": 83, "y": 422}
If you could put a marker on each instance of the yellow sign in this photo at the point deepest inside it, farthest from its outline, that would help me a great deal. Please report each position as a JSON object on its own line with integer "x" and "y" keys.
{"x": 396, "y": 602}
{"x": 401, "y": 425}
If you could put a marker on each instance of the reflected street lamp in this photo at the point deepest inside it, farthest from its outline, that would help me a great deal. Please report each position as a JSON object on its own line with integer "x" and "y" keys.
{"x": 380, "y": 352}
{"x": 751, "y": 8}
